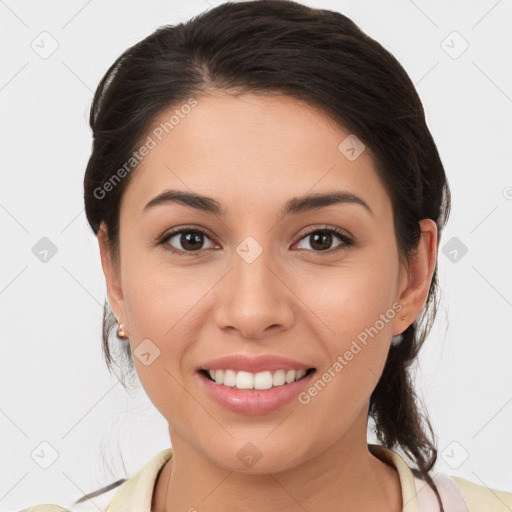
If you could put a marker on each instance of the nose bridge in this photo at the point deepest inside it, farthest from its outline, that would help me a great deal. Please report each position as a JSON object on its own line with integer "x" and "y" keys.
{"x": 254, "y": 298}
{"x": 251, "y": 269}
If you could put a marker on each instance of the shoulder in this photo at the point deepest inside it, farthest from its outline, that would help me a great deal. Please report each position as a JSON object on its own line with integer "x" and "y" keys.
{"x": 457, "y": 494}
{"x": 460, "y": 495}
{"x": 45, "y": 508}
{"x": 97, "y": 501}
{"x": 137, "y": 489}
{"x": 480, "y": 498}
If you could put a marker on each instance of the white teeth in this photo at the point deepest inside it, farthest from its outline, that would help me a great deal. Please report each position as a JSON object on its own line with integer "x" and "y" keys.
{"x": 244, "y": 380}
{"x": 263, "y": 380}
{"x": 228, "y": 379}
{"x": 279, "y": 378}
{"x": 260, "y": 381}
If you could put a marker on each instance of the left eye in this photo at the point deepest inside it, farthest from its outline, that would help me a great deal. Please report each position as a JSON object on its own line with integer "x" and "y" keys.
{"x": 323, "y": 238}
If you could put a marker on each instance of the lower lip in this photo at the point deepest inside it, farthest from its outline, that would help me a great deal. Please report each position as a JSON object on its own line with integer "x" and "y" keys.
{"x": 255, "y": 402}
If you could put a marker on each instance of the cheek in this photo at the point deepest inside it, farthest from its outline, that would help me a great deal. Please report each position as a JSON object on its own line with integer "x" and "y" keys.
{"x": 165, "y": 312}
{"x": 158, "y": 297}
{"x": 346, "y": 301}
{"x": 156, "y": 309}
{"x": 356, "y": 352}
{"x": 353, "y": 313}
{"x": 159, "y": 346}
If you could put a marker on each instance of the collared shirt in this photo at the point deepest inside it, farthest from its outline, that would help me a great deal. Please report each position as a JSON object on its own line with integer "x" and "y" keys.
{"x": 457, "y": 494}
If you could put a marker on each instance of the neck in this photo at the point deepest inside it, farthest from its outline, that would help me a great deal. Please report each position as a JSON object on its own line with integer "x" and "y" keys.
{"x": 346, "y": 476}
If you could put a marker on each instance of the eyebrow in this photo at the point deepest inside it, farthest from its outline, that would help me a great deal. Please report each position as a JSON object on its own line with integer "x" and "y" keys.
{"x": 293, "y": 206}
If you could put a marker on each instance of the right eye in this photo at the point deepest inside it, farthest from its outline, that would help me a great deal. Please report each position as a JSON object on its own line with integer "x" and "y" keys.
{"x": 190, "y": 239}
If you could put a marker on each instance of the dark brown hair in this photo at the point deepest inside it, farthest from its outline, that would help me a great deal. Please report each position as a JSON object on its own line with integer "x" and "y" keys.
{"x": 315, "y": 55}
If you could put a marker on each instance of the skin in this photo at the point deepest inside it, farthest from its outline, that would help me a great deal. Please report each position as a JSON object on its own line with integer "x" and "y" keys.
{"x": 252, "y": 153}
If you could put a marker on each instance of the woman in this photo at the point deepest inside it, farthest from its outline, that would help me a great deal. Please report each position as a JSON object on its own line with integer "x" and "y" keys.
{"x": 269, "y": 203}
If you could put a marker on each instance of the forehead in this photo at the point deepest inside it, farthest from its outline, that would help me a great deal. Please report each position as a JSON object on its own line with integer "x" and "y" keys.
{"x": 251, "y": 150}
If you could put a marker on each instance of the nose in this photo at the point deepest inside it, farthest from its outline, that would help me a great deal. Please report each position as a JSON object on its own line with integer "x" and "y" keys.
{"x": 254, "y": 299}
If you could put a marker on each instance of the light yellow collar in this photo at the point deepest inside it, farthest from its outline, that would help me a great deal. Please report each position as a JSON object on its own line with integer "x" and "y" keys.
{"x": 138, "y": 490}
{"x": 407, "y": 479}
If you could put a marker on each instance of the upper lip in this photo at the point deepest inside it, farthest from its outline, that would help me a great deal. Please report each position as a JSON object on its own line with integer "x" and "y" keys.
{"x": 253, "y": 364}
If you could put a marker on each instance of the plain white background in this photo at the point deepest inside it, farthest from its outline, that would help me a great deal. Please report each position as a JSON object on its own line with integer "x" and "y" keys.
{"x": 56, "y": 388}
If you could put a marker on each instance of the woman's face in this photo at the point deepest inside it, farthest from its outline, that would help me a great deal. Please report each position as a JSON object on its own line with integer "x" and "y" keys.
{"x": 261, "y": 282}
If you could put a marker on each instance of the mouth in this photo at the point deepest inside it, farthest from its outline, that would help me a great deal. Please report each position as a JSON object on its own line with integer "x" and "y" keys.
{"x": 259, "y": 381}
{"x": 273, "y": 383}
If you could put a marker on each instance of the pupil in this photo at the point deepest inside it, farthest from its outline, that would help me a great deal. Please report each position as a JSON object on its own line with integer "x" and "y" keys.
{"x": 188, "y": 239}
{"x": 325, "y": 237}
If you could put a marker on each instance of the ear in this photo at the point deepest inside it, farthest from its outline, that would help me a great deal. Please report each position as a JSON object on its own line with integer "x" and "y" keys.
{"x": 112, "y": 276}
{"x": 417, "y": 277}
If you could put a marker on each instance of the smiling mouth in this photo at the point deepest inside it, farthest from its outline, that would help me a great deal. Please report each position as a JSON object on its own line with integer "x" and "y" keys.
{"x": 255, "y": 381}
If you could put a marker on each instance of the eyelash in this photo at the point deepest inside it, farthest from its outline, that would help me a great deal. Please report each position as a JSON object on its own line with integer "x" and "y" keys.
{"x": 347, "y": 242}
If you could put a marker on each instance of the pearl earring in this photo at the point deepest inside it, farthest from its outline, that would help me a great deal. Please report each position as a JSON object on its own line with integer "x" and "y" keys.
{"x": 121, "y": 332}
{"x": 396, "y": 340}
